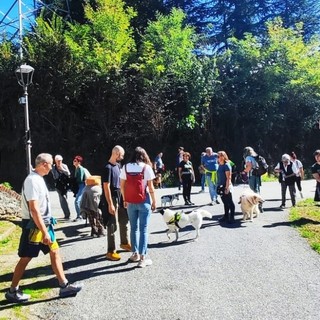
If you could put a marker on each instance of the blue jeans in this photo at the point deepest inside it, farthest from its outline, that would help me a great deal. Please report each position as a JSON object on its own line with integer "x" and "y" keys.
{"x": 139, "y": 216}
{"x": 212, "y": 188}
{"x": 255, "y": 183}
{"x": 203, "y": 181}
{"x": 77, "y": 201}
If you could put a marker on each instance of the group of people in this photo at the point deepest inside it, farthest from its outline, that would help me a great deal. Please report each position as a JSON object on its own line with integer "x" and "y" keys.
{"x": 127, "y": 195}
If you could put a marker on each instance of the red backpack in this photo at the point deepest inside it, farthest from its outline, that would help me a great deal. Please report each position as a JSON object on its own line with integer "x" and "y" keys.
{"x": 134, "y": 191}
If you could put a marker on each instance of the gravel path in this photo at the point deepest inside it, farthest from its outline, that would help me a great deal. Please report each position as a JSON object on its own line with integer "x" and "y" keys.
{"x": 259, "y": 270}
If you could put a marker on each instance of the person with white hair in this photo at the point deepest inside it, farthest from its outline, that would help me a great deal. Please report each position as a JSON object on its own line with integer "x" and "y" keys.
{"x": 61, "y": 176}
{"x": 287, "y": 176}
{"x": 38, "y": 232}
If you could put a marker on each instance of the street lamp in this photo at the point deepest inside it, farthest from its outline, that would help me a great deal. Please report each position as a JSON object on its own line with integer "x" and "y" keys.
{"x": 24, "y": 75}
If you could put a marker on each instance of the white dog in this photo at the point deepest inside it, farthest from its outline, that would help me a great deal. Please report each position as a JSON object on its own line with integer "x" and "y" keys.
{"x": 178, "y": 220}
{"x": 169, "y": 199}
{"x": 250, "y": 204}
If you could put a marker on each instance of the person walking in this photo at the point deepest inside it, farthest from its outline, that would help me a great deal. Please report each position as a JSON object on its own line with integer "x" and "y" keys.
{"x": 37, "y": 232}
{"x": 315, "y": 170}
{"x": 202, "y": 173}
{"x": 251, "y": 164}
{"x": 61, "y": 176}
{"x": 158, "y": 164}
{"x": 111, "y": 205}
{"x": 209, "y": 164}
{"x": 287, "y": 176}
{"x": 224, "y": 186}
{"x": 186, "y": 177}
{"x": 179, "y": 158}
{"x": 138, "y": 197}
{"x": 300, "y": 174}
{"x": 80, "y": 175}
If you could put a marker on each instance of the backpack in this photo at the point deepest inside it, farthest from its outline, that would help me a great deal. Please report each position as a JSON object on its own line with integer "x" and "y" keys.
{"x": 262, "y": 166}
{"x": 134, "y": 191}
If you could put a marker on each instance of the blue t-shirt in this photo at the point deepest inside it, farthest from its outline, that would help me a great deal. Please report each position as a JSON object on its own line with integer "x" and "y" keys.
{"x": 210, "y": 162}
{"x": 221, "y": 173}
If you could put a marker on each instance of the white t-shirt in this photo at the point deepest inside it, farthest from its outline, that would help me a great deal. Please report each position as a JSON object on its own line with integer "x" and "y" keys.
{"x": 298, "y": 165}
{"x": 34, "y": 188}
{"x": 137, "y": 167}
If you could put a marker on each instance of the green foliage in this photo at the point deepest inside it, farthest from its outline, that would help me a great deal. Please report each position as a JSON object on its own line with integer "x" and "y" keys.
{"x": 6, "y": 184}
{"x": 167, "y": 46}
{"x": 105, "y": 43}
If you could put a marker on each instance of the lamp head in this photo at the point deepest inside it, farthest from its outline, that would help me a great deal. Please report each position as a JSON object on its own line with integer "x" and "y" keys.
{"x": 24, "y": 75}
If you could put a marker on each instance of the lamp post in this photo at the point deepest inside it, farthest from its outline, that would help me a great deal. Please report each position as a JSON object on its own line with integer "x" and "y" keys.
{"x": 24, "y": 75}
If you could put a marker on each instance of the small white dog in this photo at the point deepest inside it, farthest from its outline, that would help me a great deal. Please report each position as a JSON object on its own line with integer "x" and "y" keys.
{"x": 250, "y": 204}
{"x": 169, "y": 199}
{"x": 178, "y": 220}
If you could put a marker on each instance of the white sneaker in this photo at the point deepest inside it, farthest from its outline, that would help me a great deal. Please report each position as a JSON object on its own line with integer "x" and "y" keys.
{"x": 144, "y": 263}
{"x": 135, "y": 257}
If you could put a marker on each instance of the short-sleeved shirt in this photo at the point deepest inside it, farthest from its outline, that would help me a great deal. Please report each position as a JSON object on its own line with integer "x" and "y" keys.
{"x": 35, "y": 188}
{"x": 111, "y": 175}
{"x": 221, "y": 173}
{"x": 210, "y": 162}
{"x": 315, "y": 168}
{"x": 137, "y": 167}
{"x": 186, "y": 168}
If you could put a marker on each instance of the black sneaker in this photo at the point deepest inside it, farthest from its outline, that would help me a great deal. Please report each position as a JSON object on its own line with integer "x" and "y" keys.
{"x": 217, "y": 201}
{"x": 17, "y": 296}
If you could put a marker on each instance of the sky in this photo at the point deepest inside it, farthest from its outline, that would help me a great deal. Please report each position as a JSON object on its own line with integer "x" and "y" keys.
{"x": 9, "y": 25}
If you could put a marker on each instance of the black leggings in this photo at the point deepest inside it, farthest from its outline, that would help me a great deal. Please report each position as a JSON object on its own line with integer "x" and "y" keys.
{"x": 229, "y": 206}
{"x": 186, "y": 185}
{"x": 298, "y": 182}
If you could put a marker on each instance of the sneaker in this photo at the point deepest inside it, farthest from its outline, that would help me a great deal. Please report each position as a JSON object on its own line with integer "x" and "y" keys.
{"x": 217, "y": 201}
{"x": 17, "y": 296}
{"x": 301, "y": 195}
{"x": 144, "y": 263}
{"x": 70, "y": 290}
{"x": 78, "y": 219}
{"x": 212, "y": 203}
{"x": 113, "y": 256}
{"x": 126, "y": 247}
{"x": 282, "y": 206}
{"x": 135, "y": 257}
{"x": 201, "y": 191}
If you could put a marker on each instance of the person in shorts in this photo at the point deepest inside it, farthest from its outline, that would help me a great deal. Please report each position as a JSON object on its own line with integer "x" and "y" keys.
{"x": 37, "y": 232}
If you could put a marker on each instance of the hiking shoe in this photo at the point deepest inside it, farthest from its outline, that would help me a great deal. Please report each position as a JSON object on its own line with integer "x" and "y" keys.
{"x": 70, "y": 290}
{"x": 144, "y": 263}
{"x": 126, "y": 247}
{"x": 113, "y": 256}
{"x": 135, "y": 257}
{"x": 17, "y": 296}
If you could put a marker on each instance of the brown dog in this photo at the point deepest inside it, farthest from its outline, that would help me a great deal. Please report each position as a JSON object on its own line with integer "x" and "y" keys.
{"x": 157, "y": 181}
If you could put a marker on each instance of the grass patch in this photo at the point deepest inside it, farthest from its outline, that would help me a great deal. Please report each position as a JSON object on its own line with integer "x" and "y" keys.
{"x": 306, "y": 218}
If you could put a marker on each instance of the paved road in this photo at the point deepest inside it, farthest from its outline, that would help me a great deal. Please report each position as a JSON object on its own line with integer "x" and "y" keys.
{"x": 259, "y": 270}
